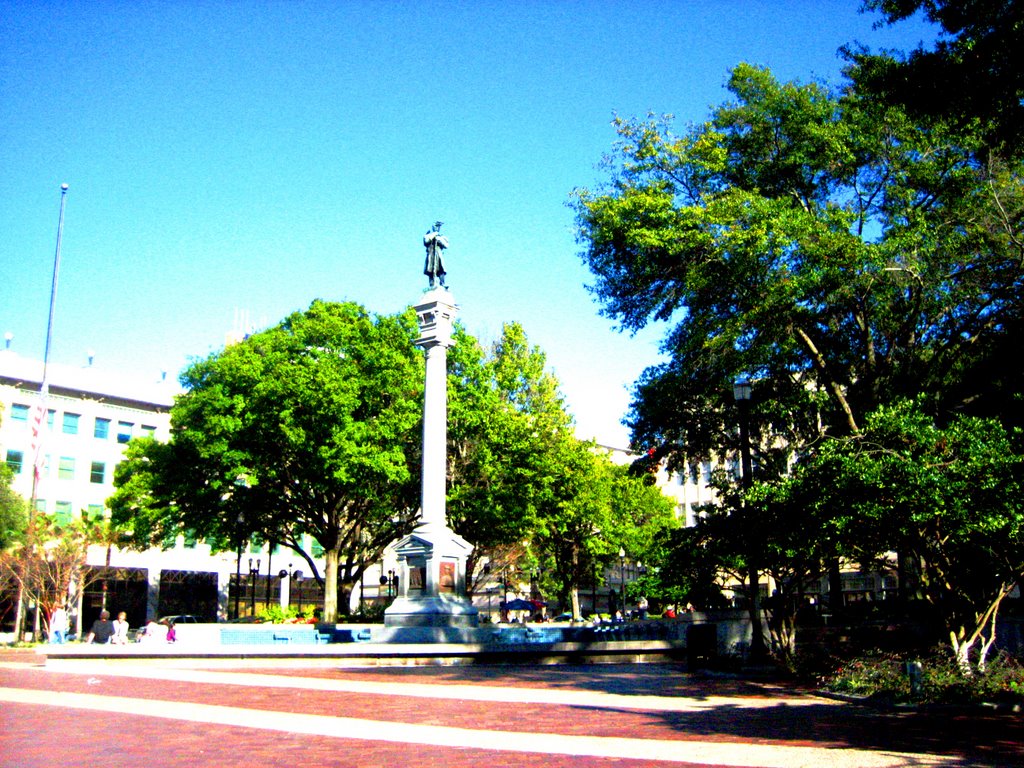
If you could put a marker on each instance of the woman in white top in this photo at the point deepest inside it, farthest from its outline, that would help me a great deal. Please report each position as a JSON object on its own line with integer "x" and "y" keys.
{"x": 120, "y": 630}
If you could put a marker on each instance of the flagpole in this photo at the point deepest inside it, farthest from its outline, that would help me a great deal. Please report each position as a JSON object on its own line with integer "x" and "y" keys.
{"x": 53, "y": 285}
{"x": 44, "y": 384}
{"x": 39, "y": 418}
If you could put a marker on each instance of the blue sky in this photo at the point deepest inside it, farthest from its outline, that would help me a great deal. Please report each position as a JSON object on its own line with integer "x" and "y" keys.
{"x": 236, "y": 160}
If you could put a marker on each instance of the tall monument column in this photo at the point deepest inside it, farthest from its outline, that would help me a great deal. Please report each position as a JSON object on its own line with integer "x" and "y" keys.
{"x": 435, "y": 339}
{"x": 432, "y": 559}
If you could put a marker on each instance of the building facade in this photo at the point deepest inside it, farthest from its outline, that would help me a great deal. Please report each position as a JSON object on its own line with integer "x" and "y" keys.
{"x": 90, "y": 415}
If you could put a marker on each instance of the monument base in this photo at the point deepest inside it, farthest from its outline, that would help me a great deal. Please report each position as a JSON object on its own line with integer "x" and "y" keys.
{"x": 431, "y": 611}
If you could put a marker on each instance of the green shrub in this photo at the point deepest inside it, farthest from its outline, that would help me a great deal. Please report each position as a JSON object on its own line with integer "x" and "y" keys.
{"x": 372, "y": 613}
{"x": 883, "y": 677}
{"x": 277, "y": 615}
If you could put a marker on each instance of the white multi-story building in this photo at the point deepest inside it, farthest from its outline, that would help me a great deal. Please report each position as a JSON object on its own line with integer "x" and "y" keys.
{"x": 90, "y": 417}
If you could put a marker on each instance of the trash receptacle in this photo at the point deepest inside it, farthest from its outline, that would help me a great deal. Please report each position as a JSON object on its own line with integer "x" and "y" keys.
{"x": 701, "y": 645}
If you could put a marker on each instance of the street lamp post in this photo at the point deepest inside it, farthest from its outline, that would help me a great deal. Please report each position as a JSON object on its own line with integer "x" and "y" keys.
{"x": 622, "y": 581}
{"x": 490, "y": 588}
{"x": 270, "y": 573}
{"x": 741, "y": 391}
{"x": 391, "y": 582}
{"x": 254, "y": 573}
{"x": 239, "y": 522}
{"x": 296, "y": 576}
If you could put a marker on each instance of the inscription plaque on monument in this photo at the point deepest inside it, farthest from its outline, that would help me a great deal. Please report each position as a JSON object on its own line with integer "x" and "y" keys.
{"x": 446, "y": 583}
{"x": 417, "y": 577}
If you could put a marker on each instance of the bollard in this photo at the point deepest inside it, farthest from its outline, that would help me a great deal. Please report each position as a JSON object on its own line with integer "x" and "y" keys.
{"x": 914, "y": 670}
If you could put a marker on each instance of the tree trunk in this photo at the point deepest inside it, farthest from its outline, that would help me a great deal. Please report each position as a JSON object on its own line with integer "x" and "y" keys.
{"x": 758, "y": 650}
{"x": 962, "y": 653}
{"x": 19, "y": 613}
{"x": 345, "y": 594}
{"x": 332, "y": 557}
{"x": 574, "y": 597}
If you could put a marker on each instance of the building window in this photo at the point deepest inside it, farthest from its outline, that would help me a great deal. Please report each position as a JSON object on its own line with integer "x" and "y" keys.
{"x": 101, "y": 429}
{"x": 707, "y": 472}
{"x": 19, "y": 412}
{"x": 15, "y": 460}
{"x": 66, "y": 468}
{"x": 62, "y": 511}
{"x": 148, "y": 431}
{"x": 734, "y": 469}
{"x": 694, "y": 472}
{"x": 49, "y": 419}
{"x": 98, "y": 472}
{"x": 124, "y": 431}
{"x": 71, "y": 423}
{"x": 40, "y": 505}
{"x": 94, "y": 512}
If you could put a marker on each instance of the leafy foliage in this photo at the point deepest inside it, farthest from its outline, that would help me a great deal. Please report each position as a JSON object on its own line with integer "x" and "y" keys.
{"x": 883, "y": 677}
{"x": 589, "y": 509}
{"x": 306, "y": 428}
{"x": 969, "y": 74}
{"x": 949, "y": 499}
{"x": 842, "y": 255}
{"x": 505, "y": 416}
{"x": 818, "y": 243}
{"x": 13, "y": 511}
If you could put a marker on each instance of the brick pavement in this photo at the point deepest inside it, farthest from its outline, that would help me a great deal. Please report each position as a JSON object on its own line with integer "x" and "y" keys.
{"x": 617, "y": 715}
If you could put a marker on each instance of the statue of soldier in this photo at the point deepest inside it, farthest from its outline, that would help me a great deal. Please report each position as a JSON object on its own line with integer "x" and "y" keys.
{"x": 435, "y": 243}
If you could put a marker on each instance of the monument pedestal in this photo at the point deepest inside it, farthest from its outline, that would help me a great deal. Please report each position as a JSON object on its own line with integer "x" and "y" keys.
{"x": 432, "y": 559}
{"x": 432, "y": 581}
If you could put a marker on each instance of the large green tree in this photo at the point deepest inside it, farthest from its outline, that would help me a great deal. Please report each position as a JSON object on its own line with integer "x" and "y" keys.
{"x": 309, "y": 427}
{"x": 505, "y": 412}
{"x": 587, "y": 510}
{"x": 819, "y": 243}
{"x": 949, "y": 499}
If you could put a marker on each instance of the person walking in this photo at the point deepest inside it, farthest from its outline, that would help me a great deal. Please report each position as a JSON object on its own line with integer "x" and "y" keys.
{"x": 58, "y": 625}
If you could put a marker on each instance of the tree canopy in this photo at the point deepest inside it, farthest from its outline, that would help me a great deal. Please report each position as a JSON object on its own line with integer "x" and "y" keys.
{"x": 970, "y": 75}
{"x": 816, "y": 242}
{"x": 948, "y": 499}
{"x": 306, "y": 428}
{"x": 834, "y": 249}
{"x": 505, "y": 413}
{"x": 588, "y": 508}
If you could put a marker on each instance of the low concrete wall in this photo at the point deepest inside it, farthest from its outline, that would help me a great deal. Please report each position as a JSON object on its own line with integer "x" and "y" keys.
{"x": 336, "y": 655}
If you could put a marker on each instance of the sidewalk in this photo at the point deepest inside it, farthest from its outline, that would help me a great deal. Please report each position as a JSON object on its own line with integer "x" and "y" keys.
{"x": 616, "y": 715}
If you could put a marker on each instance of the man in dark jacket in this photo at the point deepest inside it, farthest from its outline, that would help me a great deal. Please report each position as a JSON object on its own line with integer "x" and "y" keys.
{"x": 102, "y": 629}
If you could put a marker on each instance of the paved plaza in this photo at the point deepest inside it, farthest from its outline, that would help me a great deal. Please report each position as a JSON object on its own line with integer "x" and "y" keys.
{"x": 97, "y": 713}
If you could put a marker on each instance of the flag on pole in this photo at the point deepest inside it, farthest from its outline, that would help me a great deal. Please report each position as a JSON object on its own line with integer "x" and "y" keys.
{"x": 38, "y": 421}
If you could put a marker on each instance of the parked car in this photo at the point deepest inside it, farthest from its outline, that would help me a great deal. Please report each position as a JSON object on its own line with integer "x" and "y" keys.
{"x": 587, "y": 615}
{"x": 184, "y": 618}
